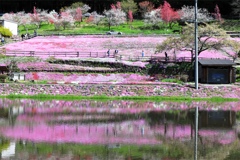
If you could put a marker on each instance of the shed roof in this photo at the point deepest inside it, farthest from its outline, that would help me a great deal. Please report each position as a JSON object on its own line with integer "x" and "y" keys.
{"x": 216, "y": 62}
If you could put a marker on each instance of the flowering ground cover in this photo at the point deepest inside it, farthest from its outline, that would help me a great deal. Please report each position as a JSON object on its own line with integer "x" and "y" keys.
{"x": 126, "y": 46}
{"x": 49, "y": 67}
{"x": 85, "y": 78}
{"x": 122, "y": 89}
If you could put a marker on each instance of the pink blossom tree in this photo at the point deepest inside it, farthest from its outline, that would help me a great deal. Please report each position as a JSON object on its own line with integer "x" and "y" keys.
{"x": 66, "y": 19}
{"x": 53, "y": 18}
{"x": 217, "y": 14}
{"x": 38, "y": 17}
{"x": 62, "y": 20}
{"x": 168, "y": 14}
{"x": 78, "y": 16}
{"x": 145, "y": 6}
{"x": 130, "y": 16}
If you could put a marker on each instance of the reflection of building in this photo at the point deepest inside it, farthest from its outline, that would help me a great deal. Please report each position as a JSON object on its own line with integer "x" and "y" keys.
{"x": 10, "y": 151}
{"x": 217, "y": 127}
{"x": 223, "y": 119}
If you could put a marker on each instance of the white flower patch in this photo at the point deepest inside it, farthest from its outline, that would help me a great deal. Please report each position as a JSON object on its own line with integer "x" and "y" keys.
{"x": 159, "y": 90}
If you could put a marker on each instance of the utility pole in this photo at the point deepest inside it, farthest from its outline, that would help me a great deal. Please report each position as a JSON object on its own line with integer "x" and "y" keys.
{"x": 196, "y": 46}
{"x": 196, "y": 81}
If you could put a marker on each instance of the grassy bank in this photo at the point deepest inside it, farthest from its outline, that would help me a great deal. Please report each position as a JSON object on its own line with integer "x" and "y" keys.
{"x": 104, "y": 98}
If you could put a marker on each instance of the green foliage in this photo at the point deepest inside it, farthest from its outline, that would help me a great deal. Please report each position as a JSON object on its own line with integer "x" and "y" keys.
{"x": 12, "y": 66}
{"x": 231, "y": 25}
{"x": 51, "y": 59}
{"x": 172, "y": 80}
{"x": 169, "y": 70}
{"x": 127, "y": 5}
{"x": 3, "y": 76}
{"x": 238, "y": 74}
{"x": 2, "y": 56}
{"x": 4, "y": 144}
{"x": 5, "y": 32}
{"x": 137, "y": 27}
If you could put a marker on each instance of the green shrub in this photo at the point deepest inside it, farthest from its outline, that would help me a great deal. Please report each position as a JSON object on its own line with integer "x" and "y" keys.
{"x": 51, "y": 59}
{"x": 5, "y": 32}
{"x": 172, "y": 80}
{"x": 2, "y": 56}
{"x": 184, "y": 78}
{"x": 3, "y": 77}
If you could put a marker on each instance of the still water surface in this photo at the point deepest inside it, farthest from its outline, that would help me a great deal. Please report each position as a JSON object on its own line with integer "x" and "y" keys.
{"x": 117, "y": 130}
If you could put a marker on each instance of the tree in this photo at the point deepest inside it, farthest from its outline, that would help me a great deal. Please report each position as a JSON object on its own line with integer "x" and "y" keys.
{"x": 78, "y": 15}
{"x": 153, "y": 17}
{"x": 210, "y": 36}
{"x": 129, "y": 5}
{"x": 38, "y": 16}
{"x": 188, "y": 14}
{"x": 95, "y": 18}
{"x": 217, "y": 14}
{"x": 168, "y": 14}
{"x": 63, "y": 20}
{"x": 66, "y": 19}
{"x": 53, "y": 17}
{"x": 115, "y": 15}
{"x": 145, "y": 7}
{"x": 130, "y": 16}
{"x": 236, "y": 7}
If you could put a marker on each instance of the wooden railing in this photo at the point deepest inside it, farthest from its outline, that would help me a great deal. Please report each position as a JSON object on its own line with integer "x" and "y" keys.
{"x": 118, "y": 57}
{"x": 233, "y": 33}
{"x": 153, "y": 58}
{"x": 59, "y": 54}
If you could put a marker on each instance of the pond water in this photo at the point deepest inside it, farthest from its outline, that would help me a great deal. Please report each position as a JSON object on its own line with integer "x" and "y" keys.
{"x": 117, "y": 130}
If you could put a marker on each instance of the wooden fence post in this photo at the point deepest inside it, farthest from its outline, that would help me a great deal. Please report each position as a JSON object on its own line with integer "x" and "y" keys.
{"x": 77, "y": 54}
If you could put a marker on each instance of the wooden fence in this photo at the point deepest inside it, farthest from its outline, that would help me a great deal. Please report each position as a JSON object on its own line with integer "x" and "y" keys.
{"x": 118, "y": 57}
{"x": 153, "y": 58}
{"x": 233, "y": 33}
{"x": 60, "y": 54}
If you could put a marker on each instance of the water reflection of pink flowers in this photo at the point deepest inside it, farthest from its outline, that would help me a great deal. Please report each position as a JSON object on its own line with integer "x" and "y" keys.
{"x": 130, "y": 132}
{"x": 111, "y": 133}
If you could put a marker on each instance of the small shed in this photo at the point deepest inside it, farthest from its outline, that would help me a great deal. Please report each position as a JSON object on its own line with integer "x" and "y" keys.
{"x": 12, "y": 26}
{"x": 216, "y": 71}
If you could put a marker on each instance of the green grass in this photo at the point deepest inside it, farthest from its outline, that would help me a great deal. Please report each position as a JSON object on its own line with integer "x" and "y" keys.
{"x": 172, "y": 81}
{"x": 136, "y": 27}
{"x": 103, "y": 97}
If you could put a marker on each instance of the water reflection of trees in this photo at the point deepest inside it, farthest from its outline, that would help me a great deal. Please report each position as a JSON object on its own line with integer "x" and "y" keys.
{"x": 119, "y": 123}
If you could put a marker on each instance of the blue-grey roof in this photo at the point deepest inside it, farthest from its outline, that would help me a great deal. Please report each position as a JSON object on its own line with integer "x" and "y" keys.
{"x": 216, "y": 62}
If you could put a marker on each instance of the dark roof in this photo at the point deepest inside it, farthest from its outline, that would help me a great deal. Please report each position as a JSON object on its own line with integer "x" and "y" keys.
{"x": 216, "y": 62}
